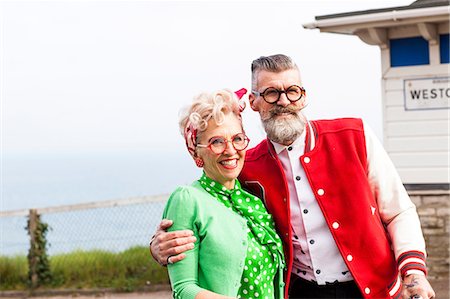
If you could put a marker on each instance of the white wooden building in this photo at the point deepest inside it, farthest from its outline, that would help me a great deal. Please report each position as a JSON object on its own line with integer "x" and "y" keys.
{"x": 414, "y": 47}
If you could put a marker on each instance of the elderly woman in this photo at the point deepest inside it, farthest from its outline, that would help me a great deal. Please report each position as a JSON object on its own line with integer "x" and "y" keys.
{"x": 237, "y": 253}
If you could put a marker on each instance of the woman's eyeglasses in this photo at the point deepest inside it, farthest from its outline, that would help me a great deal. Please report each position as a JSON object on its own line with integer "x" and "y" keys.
{"x": 218, "y": 144}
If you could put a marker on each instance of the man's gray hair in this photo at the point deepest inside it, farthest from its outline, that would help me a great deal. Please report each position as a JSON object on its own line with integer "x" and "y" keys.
{"x": 274, "y": 63}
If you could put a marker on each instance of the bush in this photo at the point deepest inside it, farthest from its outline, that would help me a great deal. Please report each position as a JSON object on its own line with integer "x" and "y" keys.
{"x": 124, "y": 271}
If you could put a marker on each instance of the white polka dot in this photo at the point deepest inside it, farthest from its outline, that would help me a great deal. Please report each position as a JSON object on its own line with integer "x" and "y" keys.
{"x": 254, "y": 257}
{"x": 257, "y": 207}
{"x": 259, "y": 235}
{"x": 250, "y": 210}
{"x": 245, "y": 291}
{"x": 249, "y": 262}
{"x": 245, "y": 267}
{"x": 247, "y": 199}
{"x": 255, "y": 269}
{"x": 256, "y": 281}
{"x": 246, "y": 279}
{"x": 256, "y": 294}
{"x": 239, "y": 200}
{"x": 213, "y": 183}
{"x": 238, "y": 192}
{"x": 260, "y": 216}
{"x": 224, "y": 189}
{"x": 251, "y": 287}
{"x": 224, "y": 197}
{"x": 251, "y": 274}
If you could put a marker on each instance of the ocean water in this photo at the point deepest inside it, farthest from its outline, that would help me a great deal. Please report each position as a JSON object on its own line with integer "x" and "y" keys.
{"x": 42, "y": 180}
{"x": 45, "y": 180}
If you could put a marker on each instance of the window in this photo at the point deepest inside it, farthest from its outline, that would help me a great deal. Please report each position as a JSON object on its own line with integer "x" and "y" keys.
{"x": 409, "y": 51}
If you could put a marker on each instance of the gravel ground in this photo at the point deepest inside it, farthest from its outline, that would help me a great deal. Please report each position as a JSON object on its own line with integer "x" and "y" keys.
{"x": 441, "y": 288}
{"x": 152, "y": 295}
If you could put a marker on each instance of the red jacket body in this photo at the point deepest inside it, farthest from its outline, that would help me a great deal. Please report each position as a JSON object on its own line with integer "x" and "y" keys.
{"x": 336, "y": 169}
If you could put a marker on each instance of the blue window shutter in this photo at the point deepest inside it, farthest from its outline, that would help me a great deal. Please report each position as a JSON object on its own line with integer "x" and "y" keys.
{"x": 409, "y": 51}
{"x": 444, "y": 48}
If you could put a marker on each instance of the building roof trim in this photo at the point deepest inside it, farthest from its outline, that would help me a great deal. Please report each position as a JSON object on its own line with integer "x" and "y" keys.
{"x": 415, "y": 5}
{"x": 390, "y": 15}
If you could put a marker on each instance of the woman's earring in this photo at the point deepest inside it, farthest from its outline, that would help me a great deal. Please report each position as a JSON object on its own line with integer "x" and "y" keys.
{"x": 199, "y": 163}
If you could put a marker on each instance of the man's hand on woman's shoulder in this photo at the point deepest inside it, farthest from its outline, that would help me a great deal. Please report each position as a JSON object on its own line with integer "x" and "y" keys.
{"x": 169, "y": 247}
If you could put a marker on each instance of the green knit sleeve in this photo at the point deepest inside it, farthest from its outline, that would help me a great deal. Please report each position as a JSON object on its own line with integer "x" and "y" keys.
{"x": 182, "y": 208}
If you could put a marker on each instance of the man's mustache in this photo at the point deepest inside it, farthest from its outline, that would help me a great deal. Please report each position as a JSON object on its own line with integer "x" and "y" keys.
{"x": 280, "y": 110}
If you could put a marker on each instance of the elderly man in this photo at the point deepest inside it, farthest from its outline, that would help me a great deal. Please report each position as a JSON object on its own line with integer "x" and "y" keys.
{"x": 348, "y": 226}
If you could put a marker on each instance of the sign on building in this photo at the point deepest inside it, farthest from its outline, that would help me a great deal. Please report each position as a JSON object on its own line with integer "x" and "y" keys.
{"x": 427, "y": 93}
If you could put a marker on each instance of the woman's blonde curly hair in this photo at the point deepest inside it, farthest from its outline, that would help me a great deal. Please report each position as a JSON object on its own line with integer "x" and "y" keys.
{"x": 208, "y": 106}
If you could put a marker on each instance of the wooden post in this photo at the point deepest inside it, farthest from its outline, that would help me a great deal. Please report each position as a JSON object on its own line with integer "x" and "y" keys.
{"x": 33, "y": 259}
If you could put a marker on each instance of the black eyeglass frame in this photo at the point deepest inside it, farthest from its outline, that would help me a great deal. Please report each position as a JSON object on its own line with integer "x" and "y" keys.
{"x": 302, "y": 93}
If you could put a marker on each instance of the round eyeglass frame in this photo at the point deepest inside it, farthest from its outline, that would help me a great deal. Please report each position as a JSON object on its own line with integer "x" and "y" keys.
{"x": 210, "y": 147}
{"x": 262, "y": 94}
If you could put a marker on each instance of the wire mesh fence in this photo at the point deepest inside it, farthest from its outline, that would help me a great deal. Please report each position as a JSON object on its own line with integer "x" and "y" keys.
{"x": 109, "y": 236}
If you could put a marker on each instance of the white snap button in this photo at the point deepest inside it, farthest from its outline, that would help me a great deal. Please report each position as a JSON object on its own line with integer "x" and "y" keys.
{"x": 320, "y": 192}
{"x": 367, "y": 291}
{"x": 349, "y": 258}
{"x": 335, "y": 225}
{"x": 306, "y": 160}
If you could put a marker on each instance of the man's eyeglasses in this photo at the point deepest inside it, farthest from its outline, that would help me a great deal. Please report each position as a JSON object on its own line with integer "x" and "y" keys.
{"x": 271, "y": 94}
{"x": 218, "y": 144}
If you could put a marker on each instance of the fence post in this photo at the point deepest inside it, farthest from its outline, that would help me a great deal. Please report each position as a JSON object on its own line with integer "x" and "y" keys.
{"x": 32, "y": 257}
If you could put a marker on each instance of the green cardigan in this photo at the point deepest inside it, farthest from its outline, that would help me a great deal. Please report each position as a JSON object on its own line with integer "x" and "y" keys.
{"x": 217, "y": 261}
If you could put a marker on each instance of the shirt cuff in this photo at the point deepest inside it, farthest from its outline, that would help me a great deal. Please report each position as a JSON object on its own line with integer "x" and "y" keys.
{"x": 411, "y": 261}
{"x": 418, "y": 272}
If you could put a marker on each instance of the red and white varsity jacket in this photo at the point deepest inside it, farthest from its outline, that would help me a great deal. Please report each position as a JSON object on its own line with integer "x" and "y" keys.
{"x": 374, "y": 233}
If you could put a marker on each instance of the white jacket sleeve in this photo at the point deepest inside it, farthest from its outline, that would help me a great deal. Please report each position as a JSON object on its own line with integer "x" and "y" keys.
{"x": 396, "y": 209}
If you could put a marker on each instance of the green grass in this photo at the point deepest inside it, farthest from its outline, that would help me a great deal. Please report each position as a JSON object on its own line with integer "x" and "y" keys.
{"x": 124, "y": 271}
{"x": 13, "y": 272}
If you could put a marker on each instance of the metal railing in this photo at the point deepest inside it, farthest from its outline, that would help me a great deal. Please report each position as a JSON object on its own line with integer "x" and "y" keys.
{"x": 111, "y": 225}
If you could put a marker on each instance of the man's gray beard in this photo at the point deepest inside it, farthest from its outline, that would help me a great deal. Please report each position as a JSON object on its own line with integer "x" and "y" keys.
{"x": 284, "y": 130}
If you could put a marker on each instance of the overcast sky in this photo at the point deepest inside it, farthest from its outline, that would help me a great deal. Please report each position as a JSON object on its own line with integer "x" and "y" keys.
{"x": 80, "y": 76}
